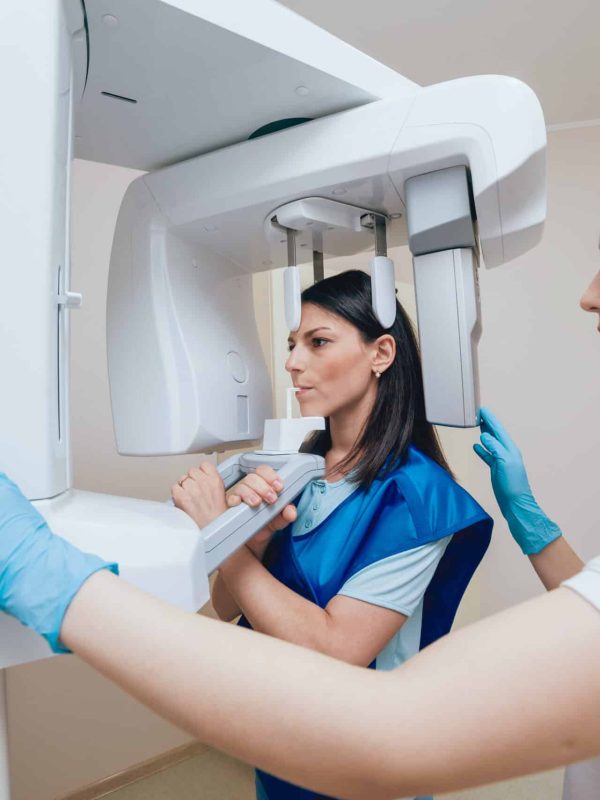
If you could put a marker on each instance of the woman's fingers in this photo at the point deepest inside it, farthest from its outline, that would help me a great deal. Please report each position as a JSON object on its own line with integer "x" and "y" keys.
{"x": 283, "y": 519}
{"x": 258, "y": 486}
{"x": 246, "y": 494}
{"x": 270, "y": 476}
{"x": 177, "y": 495}
{"x": 289, "y": 514}
{"x": 200, "y": 493}
{"x": 204, "y": 472}
{"x": 209, "y": 470}
{"x": 261, "y": 486}
{"x": 195, "y": 475}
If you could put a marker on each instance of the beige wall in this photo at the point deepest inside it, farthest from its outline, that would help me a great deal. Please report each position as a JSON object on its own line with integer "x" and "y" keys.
{"x": 540, "y": 363}
{"x": 539, "y": 356}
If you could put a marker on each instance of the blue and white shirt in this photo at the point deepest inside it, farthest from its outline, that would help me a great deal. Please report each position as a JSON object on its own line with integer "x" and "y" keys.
{"x": 397, "y": 582}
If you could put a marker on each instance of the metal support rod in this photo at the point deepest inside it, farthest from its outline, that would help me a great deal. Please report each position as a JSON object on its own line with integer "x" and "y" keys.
{"x": 378, "y": 224}
{"x": 318, "y": 257}
{"x": 380, "y": 236}
{"x": 291, "y": 247}
{"x": 318, "y": 266}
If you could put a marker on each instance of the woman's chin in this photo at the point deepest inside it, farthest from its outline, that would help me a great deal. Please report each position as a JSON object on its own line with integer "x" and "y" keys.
{"x": 310, "y": 408}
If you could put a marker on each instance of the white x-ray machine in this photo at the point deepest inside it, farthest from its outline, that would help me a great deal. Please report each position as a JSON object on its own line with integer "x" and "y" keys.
{"x": 455, "y": 170}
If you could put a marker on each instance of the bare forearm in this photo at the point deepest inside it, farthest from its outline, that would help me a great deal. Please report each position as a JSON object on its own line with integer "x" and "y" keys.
{"x": 520, "y": 693}
{"x": 556, "y": 563}
{"x": 273, "y": 608}
{"x": 225, "y": 685}
{"x": 223, "y": 603}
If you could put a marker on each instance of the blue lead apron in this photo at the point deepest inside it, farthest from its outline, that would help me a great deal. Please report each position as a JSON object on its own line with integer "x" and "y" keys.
{"x": 411, "y": 506}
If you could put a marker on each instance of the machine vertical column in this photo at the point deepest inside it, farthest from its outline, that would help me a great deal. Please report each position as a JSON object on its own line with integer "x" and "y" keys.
{"x": 34, "y": 164}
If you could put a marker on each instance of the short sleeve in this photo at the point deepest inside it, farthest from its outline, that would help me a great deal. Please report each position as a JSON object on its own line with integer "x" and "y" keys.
{"x": 587, "y": 582}
{"x": 399, "y": 581}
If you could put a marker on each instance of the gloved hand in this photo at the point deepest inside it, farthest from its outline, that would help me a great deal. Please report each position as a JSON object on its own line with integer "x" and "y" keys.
{"x": 530, "y": 527}
{"x": 40, "y": 573}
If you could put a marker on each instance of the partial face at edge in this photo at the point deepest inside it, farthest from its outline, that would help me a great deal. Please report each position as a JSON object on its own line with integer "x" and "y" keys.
{"x": 329, "y": 362}
{"x": 590, "y": 300}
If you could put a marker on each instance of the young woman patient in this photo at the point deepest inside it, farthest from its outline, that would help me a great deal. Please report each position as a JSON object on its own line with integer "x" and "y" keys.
{"x": 377, "y": 555}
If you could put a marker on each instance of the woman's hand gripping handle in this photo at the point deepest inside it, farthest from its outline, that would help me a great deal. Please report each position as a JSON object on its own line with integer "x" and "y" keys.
{"x": 263, "y": 485}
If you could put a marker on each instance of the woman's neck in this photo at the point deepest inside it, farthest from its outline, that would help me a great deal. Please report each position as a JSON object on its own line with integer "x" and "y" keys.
{"x": 345, "y": 428}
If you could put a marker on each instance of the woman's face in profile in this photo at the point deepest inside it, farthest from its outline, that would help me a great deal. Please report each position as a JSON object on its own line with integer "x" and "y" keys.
{"x": 591, "y": 298}
{"x": 329, "y": 362}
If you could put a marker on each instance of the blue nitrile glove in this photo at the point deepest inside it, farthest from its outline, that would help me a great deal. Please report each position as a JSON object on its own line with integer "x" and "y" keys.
{"x": 530, "y": 527}
{"x": 40, "y": 573}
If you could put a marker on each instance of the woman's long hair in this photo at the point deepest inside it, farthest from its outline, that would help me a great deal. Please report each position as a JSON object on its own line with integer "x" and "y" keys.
{"x": 397, "y": 418}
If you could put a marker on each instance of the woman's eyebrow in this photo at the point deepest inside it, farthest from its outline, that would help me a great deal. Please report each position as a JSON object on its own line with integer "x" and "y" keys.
{"x": 308, "y": 334}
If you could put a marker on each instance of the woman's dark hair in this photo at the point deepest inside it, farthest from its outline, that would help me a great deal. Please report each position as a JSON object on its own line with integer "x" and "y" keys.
{"x": 397, "y": 418}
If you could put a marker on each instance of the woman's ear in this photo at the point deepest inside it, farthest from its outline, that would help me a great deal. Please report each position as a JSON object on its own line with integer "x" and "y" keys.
{"x": 384, "y": 352}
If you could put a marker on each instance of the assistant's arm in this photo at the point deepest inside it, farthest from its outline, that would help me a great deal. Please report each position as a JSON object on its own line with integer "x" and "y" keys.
{"x": 516, "y": 693}
{"x": 538, "y": 537}
{"x": 556, "y": 563}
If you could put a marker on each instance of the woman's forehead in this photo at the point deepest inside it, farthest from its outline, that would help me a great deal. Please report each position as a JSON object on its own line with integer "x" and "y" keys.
{"x": 313, "y": 316}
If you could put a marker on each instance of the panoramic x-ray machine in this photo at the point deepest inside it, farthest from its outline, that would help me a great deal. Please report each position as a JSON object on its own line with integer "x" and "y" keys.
{"x": 266, "y": 142}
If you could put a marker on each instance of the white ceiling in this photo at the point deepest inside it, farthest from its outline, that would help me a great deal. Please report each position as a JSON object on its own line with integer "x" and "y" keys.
{"x": 553, "y": 46}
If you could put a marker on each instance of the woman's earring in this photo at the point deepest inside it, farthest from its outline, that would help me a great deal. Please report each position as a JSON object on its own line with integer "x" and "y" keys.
{"x": 377, "y": 373}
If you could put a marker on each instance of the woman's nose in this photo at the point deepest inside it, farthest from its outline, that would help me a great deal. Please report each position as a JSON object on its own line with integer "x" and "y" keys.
{"x": 590, "y": 300}
{"x": 293, "y": 361}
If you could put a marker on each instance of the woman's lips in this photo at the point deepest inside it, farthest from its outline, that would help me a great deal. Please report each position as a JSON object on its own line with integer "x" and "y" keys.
{"x": 302, "y": 392}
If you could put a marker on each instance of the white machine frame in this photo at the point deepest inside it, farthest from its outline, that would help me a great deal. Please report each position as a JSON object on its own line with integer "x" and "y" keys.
{"x": 464, "y": 161}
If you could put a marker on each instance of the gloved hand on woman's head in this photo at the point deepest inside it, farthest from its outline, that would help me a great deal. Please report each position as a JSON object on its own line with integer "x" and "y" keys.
{"x": 40, "y": 573}
{"x": 530, "y": 527}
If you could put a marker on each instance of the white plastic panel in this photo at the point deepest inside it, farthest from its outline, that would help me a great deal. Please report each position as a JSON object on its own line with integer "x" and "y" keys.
{"x": 221, "y": 200}
{"x": 158, "y": 548}
{"x": 34, "y": 164}
{"x": 200, "y": 75}
{"x": 363, "y": 157}
{"x": 383, "y": 289}
{"x": 449, "y": 316}
{"x": 494, "y": 125}
{"x": 186, "y": 370}
{"x": 329, "y": 226}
